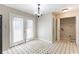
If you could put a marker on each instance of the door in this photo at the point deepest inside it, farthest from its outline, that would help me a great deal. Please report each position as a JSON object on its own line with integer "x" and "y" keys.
{"x": 17, "y": 31}
{"x": 0, "y": 34}
{"x": 29, "y": 30}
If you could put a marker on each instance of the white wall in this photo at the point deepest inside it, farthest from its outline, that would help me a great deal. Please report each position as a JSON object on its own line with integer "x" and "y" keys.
{"x": 5, "y": 12}
{"x": 45, "y": 28}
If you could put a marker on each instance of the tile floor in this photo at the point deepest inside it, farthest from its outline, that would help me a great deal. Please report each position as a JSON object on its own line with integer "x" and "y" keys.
{"x": 41, "y": 47}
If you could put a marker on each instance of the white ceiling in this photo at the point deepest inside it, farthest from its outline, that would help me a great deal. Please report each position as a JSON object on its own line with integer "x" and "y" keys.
{"x": 45, "y": 8}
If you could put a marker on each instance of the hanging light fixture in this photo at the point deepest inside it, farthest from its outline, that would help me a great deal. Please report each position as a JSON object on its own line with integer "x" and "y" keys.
{"x": 38, "y": 13}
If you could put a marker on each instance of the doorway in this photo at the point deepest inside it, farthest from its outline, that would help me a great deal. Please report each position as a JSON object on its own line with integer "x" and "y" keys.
{"x": 68, "y": 29}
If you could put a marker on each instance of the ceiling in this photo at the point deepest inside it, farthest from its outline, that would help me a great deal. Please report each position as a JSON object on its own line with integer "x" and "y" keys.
{"x": 44, "y": 8}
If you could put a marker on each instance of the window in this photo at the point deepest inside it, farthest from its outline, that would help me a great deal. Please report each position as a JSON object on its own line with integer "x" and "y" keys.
{"x": 29, "y": 30}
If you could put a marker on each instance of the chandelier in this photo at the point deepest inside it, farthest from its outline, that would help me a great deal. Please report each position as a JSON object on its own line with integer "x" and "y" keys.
{"x": 38, "y": 13}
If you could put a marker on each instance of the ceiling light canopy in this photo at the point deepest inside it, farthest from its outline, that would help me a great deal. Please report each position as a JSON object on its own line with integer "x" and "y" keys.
{"x": 66, "y": 10}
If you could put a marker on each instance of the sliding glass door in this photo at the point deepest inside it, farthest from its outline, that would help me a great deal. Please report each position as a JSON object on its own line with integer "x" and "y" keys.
{"x": 17, "y": 36}
{"x": 20, "y": 31}
{"x": 29, "y": 30}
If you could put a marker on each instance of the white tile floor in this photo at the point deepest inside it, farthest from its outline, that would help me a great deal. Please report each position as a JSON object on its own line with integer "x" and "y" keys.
{"x": 41, "y": 47}
{"x": 32, "y": 47}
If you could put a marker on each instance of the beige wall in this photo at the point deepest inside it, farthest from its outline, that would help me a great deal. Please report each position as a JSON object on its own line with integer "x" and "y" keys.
{"x": 68, "y": 14}
{"x": 54, "y": 23}
{"x": 58, "y": 29}
{"x": 5, "y": 12}
{"x": 77, "y": 30}
{"x": 68, "y": 28}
